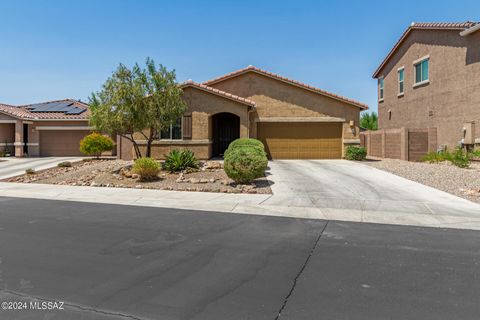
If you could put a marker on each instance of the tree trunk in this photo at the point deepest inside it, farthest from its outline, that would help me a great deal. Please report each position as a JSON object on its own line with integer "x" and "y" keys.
{"x": 138, "y": 154}
{"x": 148, "y": 152}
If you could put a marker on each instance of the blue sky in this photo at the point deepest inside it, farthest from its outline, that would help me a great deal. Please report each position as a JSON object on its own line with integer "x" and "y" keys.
{"x": 66, "y": 49}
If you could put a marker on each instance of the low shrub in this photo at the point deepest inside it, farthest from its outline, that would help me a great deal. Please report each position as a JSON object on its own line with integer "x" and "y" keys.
{"x": 64, "y": 164}
{"x": 476, "y": 153}
{"x": 30, "y": 171}
{"x": 435, "y": 157}
{"x": 146, "y": 168}
{"x": 460, "y": 158}
{"x": 245, "y": 164}
{"x": 178, "y": 160}
{"x": 355, "y": 153}
{"x": 246, "y": 142}
{"x": 95, "y": 144}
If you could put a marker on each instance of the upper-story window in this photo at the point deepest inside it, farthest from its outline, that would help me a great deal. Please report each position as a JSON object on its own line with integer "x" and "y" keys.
{"x": 401, "y": 77}
{"x": 421, "y": 70}
{"x": 174, "y": 132}
{"x": 380, "y": 89}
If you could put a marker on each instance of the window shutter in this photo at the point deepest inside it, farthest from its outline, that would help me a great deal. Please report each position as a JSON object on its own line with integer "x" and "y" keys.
{"x": 187, "y": 126}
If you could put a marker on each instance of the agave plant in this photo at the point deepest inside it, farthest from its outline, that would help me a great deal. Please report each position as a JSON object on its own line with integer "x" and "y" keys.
{"x": 178, "y": 160}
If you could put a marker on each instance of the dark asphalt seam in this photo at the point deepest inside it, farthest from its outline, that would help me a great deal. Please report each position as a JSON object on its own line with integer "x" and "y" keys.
{"x": 285, "y": 301}
{"x": 74, "y": 306}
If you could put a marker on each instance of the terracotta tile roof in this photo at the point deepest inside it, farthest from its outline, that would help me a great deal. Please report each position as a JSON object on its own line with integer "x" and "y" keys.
{"x": 27, "y": 113}
{"x": 287, "y": 80}
{"x": 424, "y": 26}
{"x": 16, "y": 112}
{"x": 190, "y": 83}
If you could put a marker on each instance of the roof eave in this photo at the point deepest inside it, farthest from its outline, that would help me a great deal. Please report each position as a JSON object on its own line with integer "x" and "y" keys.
{"x": 469, "y": 31}
{"x": 289, "y": 81}
{"x": 405, "y": 34}
{"x": 218, "y": 93}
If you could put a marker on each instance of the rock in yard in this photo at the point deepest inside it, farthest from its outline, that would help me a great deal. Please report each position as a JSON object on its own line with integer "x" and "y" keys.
{"x": 209, "y": 165}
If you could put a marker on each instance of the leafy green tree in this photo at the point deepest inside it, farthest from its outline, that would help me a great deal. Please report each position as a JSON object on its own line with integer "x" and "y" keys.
{"x": 369, "y": 121}
{"x": 137, "y": 102}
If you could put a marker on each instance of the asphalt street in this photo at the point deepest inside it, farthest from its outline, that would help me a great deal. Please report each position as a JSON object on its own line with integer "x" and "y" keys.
{"x": 123, "y": 262}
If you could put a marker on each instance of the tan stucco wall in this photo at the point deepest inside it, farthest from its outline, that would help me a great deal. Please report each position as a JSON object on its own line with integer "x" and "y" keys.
{"x": 202, "y": 106}
{"x": 201, "y": 150}
{"x": 7, "y": 133}
{"x": 275, "y": 98}
{"x": 450, "y": 99}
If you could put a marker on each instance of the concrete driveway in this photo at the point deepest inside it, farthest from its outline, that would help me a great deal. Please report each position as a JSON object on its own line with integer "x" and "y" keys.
{"x": 10, "y": 167}
{"x": 341, "y": 184}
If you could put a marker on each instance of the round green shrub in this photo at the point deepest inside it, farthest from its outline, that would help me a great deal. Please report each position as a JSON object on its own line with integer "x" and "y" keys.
{"x": 355, "y": 153}
{"x": 95, "y": 143}
{"x": 146, "y": 168}
{"x": 245, "y": 164}
{"x": 246, "y": 142}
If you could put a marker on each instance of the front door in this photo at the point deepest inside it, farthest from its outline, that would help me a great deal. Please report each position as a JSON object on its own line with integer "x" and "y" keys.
{"x": 225, "y": 129}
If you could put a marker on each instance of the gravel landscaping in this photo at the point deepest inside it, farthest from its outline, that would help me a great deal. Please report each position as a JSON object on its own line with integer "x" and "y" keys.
{"x": 117, "y": 173}
{"x": 444, "y": 176}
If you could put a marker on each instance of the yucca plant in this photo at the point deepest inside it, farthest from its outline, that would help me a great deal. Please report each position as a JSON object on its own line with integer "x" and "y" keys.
{"x": 178, "y": 160}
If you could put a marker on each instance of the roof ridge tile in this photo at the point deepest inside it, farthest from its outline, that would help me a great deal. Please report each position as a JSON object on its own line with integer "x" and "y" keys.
{"x": 280, "y": 77}
{"x": 427, "y": 26}
{"x": 218, "y": 91}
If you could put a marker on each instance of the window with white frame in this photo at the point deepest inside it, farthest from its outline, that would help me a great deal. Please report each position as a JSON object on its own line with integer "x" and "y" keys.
{"x": 380, "y": 89}
{"x": 174, "y": 132}
{"x": 421, "y": 70}
{"x": 401, "y": 77}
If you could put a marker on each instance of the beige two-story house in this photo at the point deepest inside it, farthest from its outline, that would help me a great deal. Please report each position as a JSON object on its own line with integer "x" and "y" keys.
{"x": 431, "y": 79}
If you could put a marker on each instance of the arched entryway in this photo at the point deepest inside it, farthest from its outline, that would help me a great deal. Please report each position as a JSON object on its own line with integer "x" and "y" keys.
{"x": 225, "y": 129}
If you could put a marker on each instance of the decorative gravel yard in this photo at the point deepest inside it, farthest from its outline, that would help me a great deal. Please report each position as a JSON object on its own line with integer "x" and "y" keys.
{"x": 210, "y": 177}
{"x": 444, "y": 176}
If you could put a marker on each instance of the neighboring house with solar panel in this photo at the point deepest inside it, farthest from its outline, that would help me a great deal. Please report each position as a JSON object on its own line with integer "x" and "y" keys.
{"x": 431, "y": 79}
{"x": 52, "y": 128}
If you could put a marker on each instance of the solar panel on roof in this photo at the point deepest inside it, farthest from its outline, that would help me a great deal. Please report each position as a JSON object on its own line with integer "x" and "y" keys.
{"x": 75, "y": 110}
{"x": 60, "y": 106}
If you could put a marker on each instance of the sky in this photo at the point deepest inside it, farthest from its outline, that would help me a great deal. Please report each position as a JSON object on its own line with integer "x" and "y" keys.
{"x": 52, "y": 50}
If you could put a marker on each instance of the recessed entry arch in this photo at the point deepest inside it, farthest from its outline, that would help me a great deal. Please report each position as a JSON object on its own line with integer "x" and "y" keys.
{"x": 225, "y": 129}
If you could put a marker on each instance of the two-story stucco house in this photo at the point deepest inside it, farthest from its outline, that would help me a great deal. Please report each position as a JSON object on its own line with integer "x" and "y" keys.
{"x": 294, "y": 120}
{"x": 431, "y": 79}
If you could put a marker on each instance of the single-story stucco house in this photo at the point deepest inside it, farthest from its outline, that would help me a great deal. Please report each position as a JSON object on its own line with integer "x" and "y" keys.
{"x": 294, "y": 120}
{"x": 52, "y": 128}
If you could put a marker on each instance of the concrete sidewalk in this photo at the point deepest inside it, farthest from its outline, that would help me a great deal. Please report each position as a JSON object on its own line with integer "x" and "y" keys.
{"x": 234, "y": 203}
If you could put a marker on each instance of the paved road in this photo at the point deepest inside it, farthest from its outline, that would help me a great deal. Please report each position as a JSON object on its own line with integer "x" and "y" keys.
{"x": 123, "y": 262}
{"x": 11, "y": 167}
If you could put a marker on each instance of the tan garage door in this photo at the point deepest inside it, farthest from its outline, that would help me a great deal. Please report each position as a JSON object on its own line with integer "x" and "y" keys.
{"x": 61, "y": 143}
{"x": 301, "y": 140}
